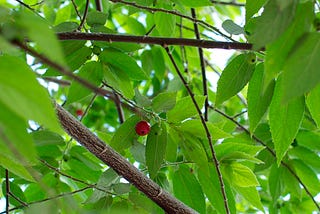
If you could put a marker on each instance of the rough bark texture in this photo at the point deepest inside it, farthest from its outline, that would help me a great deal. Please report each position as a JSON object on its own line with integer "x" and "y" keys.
{"x": 110, "y": 157}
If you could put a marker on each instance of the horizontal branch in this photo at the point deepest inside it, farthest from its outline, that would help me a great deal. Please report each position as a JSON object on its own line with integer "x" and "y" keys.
{"x": 163, "y": 41}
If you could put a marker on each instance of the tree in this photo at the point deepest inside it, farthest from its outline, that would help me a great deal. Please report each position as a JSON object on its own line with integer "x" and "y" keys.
{"x": 77, "y": 76}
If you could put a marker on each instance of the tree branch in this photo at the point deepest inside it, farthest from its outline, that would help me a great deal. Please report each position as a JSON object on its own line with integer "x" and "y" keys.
{"x": 110, "y": 157}
{"x": 154, "y": 40}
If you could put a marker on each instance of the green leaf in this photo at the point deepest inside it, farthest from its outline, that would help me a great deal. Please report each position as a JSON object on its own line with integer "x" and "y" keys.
{"x": 121, "y": 188}
{"x": 198, "y": 3}
{"x": 45, "y": 137}
{"x": 277, "y": 52}
{"x": 187, "y": 188}
{"x": 285, "y": 121}
{"x": 211, "y": 186}
{"x": 125, "y": 134}
{"x": 66, "y": 27}
{"x": 141, "y": 100}
{"x": 252, "y": 7}
{"x": 275, "y": 183}
{"x": 184, "y": 108}
{"x": 123, "y": 62}
{"x": 138, "y": 152}
{"x": 226, "y": 148}
{"x": 307, "y": 176}
{"x": 196, "y": 128}
{"x": 258, "y": 99}
{"x": 240, "y": 156}
{"x": 16, "y": 191}
{"x": 17, "y": 151}
{"x": 96, "y": 18}
{"x": 301, "y": 69}
{"x": 193, "y": 150}
{"x": 251, "y": 194}
{"x": 232, "y": 28}
{"x": 235, "y": 76}
{"x": 307, "y": 156}
{"x": 274, "y": 20}
{"x": 165, "y": 23}
{"x": 92, "y": 73}
{"x": 119, "y": 80}
{"x": 240, "y": 175}
{"x": 156, "y": 148}
{"x": 158, "y": 62}
{"x": 313, "y": 100}
{"x": 164, "y": 102}
{"x": 38, "y": 31}
{"x": 172, "y": 145}
{"x": 21, "y": 92}
{"x": 309, "y": 139}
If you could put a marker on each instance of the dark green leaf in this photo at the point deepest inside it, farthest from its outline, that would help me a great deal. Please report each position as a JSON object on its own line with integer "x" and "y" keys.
{"x": 198, "y": 3}
{"x": 121, "y": 188}
{"x": 274, "y": 20}
{"x": 258, "y": 99}
{"x": 96, "y": 18}
{"x": 301, "y": 69}
{"x": 66, "y": 27}
{"x": 232, "y": 28}
{"x": 138, "y": 152}
{"x": 285, "y": 121}
{"x": 156, "y": 148}
{"x": 187, "y": 188}
{"x": 235, "y": 76}
{"x": 45, "y": 137}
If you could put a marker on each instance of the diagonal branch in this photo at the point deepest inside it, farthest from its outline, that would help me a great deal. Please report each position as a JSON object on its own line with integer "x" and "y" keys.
{"x": 154, "y": 40}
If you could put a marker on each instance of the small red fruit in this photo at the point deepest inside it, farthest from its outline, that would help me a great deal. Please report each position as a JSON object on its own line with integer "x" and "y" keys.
{"x": 142, "y": 128}
{"x": 79, "y": 112}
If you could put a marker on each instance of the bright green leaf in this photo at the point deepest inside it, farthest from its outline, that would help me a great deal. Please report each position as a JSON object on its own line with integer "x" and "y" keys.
{"x": 187, "y": 188}
{"x": 252, "y": 7}
{"x": 164, "y": 102}
{"x": 125, "y": 134}
{"x": 22, "y": 93}
{"x": 235, "y": 76}
{"x": 285, "y": 121}
{"x": 156, "y": 148}
{"x": 251, "y": 194}
{"x": 165, "y": 23}
{"x": 124, "y": 62}
{"x": 312, "y": 101}
{"x": 258, "y": 99}
{"x": 307, "y": 156}
{"x": 119, "y": 80}
{"x": 91, "y": 72}
{"x": 184, "y": 108}
{"x": 240, "y": 175}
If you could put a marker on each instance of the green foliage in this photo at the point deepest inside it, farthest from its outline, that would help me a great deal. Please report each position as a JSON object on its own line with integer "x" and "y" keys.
{"x": 263, "y": 144}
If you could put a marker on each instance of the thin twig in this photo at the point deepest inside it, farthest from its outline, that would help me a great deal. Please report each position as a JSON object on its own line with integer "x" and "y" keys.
{"x": 7, "y": 192}
{"x": 215, "y": 159}
{"x": 98, "y": 5}
{"x": 18, "y": 199}
{"x": 152, "y": 10}
{"x": 271, "y": 151}
{"x": 154, "y": 40}
{"x": 117, "y": 102}
{"x": 203, "y": 67}
{"x": 76, "y": 9}
{"x": 84, "y": 15}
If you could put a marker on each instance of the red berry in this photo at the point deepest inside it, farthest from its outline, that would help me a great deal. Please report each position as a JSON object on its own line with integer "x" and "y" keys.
{"x": 142, "y": 128}
{"x": 79, "y": 112}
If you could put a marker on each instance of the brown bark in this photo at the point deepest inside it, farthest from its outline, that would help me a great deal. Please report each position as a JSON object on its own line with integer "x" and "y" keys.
{"x": 110, "y": 157}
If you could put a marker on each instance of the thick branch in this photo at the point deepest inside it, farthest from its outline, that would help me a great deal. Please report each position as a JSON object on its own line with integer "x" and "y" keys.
{"x": 110, "y": 157}
{"x": 154, "y": 40}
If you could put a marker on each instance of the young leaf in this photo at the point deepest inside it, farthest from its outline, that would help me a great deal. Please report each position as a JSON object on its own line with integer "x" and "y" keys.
{"x": 123, "y": 62}
{"x": 91, "y": 72}
{"x": 123, "y": 137}
{"x": 258, "y": 99}
{"x": 187, "y": 188}
{"x": 285, "y": 121}
{"x": 184, "y": 108}
{"x": 313, "y": 100}
{"x": 235, "y": 76}
{"x": 274, "y": 20}
{"x": 156, "y": 148}
{"x": 22, "y": 93}
{"x": 251, "y": 194}
{"x": 164, "y": 102}
{"x": 240, "y": 175}
{"x": 301, "y": 69}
